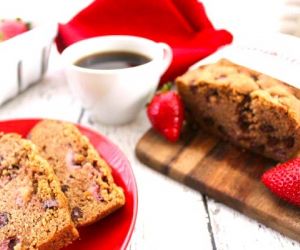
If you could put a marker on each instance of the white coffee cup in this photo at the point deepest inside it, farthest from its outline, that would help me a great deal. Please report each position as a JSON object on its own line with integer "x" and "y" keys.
{"x": 116, "y": 96}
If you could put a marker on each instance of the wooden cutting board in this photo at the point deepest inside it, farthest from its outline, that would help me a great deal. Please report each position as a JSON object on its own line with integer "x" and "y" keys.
{"x": 223, "y": 172}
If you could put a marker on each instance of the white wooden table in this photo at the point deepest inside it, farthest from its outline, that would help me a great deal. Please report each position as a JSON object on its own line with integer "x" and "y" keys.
{"x": 170, "y": 215}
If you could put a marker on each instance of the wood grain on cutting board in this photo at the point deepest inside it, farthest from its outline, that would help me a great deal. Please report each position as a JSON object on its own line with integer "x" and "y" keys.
{"x": 222, "y": 171}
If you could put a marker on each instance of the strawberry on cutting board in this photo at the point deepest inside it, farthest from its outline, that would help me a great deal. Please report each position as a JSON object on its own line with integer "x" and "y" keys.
{"x": 284, "y": 181}
{"x": 12, "y": 27}
{"x": 166, "y": 113}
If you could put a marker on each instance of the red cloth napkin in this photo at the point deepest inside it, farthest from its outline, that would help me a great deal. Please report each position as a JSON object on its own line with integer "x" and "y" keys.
{"x": 182, "y": 24}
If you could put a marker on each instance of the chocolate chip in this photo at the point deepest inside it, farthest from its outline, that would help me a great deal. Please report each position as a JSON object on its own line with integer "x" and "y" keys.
{"x": 272, "y": 141}
{"x": 76, "y": 213}
{"x": 15, "y": 166}
{"x": 12, "y": 243}
{"x": 208, "y": 121}
{"x": 39, "y": 173}
{"x": 95, "y": 163}
{"x": 50, "y": 204}
{"x": 84, "y": 151}
{"x": 222, "y": 130}
{"x": 7, "y": 177}
{"x": 194, "y": 89}
{"x": 254, "y": 77}
{"x": 289, "y": 142}
{"x": 246, "y": 99}
{"x": 244, "y": 105}
{"x": 266, "y": 128}
{"x": 64, "y": 188}
{"x": 193, "y": 126}
{"x": 99, "y": 197}
{"x": 244, "y": 113}
{"x": 244, "y": 121}
{"x": 104, "y": 178}
{"x": 4, "y": 219}
{"x": 78, "y": 159}
{"x": 50, "y": 158}
{"x": 85, "y": 146}
{"x": 259, "y": 148}
{"x": 244, "y": 124}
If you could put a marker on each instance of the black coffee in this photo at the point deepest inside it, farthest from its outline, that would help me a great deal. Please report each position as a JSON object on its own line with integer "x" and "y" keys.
{"x": 112, "y": 60}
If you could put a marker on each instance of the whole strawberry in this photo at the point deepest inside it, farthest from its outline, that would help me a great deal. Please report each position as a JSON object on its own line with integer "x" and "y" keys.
{"x": 10, "y": 28}
{"x": 284, "y": 181}
{"x": 166, "y": 114}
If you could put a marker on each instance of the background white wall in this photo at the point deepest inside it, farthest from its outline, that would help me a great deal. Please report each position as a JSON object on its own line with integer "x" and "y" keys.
{"x": 235, "y": 15}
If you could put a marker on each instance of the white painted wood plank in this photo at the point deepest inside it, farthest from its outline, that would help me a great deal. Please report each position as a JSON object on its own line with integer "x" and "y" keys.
{"x": 234, "y": 231}
{"x": 170, "y": 215}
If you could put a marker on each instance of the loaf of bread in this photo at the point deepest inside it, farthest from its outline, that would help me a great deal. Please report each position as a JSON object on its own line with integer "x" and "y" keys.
{"x": 85, "y": 177}
{"x": 34, "y": 212}
{"x": 248, "y": 108}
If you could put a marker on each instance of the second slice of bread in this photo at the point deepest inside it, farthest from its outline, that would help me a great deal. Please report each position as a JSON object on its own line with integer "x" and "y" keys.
{"x": 85, "y": 177}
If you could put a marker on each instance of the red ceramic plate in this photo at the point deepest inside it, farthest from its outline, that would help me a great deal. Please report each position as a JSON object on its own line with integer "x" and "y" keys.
{"x": 113, "y": 232}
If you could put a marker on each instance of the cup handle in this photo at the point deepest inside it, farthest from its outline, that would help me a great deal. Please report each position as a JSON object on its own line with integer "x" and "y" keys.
{"x": 167, "y": 57}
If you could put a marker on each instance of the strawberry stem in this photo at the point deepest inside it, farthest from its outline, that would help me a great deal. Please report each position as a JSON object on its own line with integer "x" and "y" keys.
{"x": 166, "y": 87}
{"x": 29, "y": 25}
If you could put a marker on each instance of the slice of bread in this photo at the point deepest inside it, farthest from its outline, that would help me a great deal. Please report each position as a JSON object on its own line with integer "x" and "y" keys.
{"x": 34, "y": 212}
{"x": 85, "y": 177}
